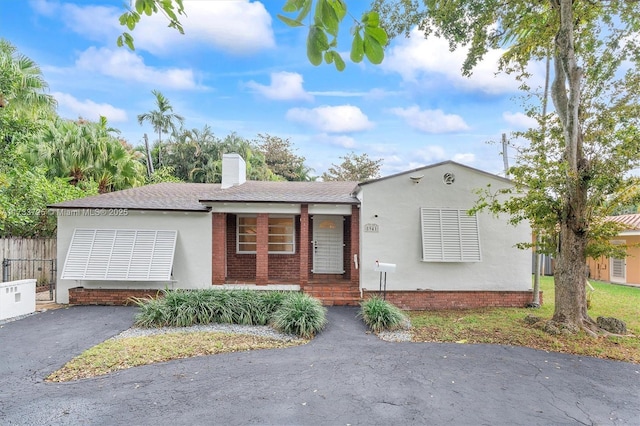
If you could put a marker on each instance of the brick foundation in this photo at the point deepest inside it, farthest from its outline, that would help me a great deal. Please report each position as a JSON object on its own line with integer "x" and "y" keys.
{"x": 340, "y": 294}
{"x": 440, "y": 300}
{"x": 103, "y": 296}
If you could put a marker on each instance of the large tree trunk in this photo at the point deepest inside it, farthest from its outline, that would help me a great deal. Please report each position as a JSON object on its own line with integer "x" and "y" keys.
{"x": 570, "y": 271}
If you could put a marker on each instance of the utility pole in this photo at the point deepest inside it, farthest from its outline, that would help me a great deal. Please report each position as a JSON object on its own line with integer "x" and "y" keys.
{"x": 505, "y": 157}
{"x": 149, "y": 159}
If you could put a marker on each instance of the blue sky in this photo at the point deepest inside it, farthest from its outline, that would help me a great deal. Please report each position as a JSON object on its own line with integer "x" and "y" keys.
{"x": 239, "y": 69}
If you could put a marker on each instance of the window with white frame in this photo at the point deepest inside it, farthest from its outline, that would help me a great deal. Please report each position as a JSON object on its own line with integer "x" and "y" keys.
{"x": 281, "y": 234}
{"x": 449, "y": 235}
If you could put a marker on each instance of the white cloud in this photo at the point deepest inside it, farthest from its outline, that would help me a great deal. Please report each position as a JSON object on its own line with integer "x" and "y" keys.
{"x": 417, "y": 58}
{"x": 331, "y": 119}
{"x": 98, "y": 23}
{"x": 71, "y": 107}
{"x": 519, "y": 120}
{"x": 336, "y": 140}
{"x": 284, "y": 86}
{"x": 465, "y": 158}
{"x": 431, "y": 120}
{"x": 238, "y": 27}
{"x": 430, "y": 154}
{"x": 125, "y": 65}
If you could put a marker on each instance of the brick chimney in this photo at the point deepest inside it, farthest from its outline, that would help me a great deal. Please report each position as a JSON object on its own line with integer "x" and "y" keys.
{"x": 234, "y": 170}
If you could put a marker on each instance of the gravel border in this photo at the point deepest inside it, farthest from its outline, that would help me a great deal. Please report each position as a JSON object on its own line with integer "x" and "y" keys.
{"x": 255, "y": 330}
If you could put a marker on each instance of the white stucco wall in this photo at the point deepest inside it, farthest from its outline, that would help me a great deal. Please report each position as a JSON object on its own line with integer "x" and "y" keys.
{"x": 192, "y": 259}
{"x": 393, "y": 204}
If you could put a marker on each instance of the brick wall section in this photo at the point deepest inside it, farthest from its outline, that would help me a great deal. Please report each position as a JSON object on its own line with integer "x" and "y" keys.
{"x": 354, "y": 246}
{"x": 262, "y": 249}
{"x": 240, "y": 267}
{"x": 110, "y": 297}
{"x": 439, "y": 300}
{"x": 303, "y": 246}
{"x": 218, "y": 255}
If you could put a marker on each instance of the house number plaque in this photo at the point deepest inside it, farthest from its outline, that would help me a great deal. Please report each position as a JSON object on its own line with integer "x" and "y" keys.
{"x": 370, "y": 227}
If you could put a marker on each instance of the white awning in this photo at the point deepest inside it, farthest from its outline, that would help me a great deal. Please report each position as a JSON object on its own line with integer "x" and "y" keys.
{"x": 120, "y": 255}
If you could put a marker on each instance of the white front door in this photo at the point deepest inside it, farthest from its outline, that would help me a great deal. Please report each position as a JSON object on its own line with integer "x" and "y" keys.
{"x": 328, "y": 244}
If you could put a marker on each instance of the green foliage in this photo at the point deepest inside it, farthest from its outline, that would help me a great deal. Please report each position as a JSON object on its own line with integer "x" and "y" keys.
{"x": 163, "y": 174}
{"x": 357, "y": 168}
{"x": 381, "y": 315}
{"x": 163, "y": 120}
{"x": 83, "y": 152}
{"x": 25, "y": 193}
{"x": 369, "y": 38}
{"x": 280, "y": 158}
{"x": 300, "y": 314}
{"x": 169, "y": 8}
{"x": 294, "y": 313}
{"x": 22, "y": 86}
{"x": 196, "y": 156}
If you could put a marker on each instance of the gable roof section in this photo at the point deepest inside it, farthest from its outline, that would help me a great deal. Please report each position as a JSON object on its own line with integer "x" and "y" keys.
{"x": 286, "y": 192}
{"x": 432, "y": 166}
{"x": 191, "y": 196}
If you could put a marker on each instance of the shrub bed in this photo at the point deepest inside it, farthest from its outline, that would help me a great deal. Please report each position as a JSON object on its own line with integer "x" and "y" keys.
{"x": 289, "y": 312}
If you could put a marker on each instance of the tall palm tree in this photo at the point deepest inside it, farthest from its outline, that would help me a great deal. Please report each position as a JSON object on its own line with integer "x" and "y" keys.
{"x": 22, "y": 86}
{"x": 162, "y": 119}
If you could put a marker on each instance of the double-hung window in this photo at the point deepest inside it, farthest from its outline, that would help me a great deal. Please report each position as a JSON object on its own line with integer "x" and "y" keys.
{"x": 449, "y": 235}
{"x": 281, "y": 234}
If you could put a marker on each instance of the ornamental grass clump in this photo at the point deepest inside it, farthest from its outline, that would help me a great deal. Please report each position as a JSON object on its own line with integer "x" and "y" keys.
{"x": 300, "y": 314}
{"x": 380, "y": 315}
{"x": 183, "y": 308}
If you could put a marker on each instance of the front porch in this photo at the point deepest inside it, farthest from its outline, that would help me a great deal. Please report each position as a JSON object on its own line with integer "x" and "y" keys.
{"x": 309, "y": 248}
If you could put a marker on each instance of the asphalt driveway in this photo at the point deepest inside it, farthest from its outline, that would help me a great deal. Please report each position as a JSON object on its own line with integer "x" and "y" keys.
{"x": 345, "y": 376}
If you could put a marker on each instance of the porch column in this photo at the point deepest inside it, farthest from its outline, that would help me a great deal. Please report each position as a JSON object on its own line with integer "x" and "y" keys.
{"x": 354, "y": 250}
{"x": 303, "y": 251}
{"x": 218, "y": 248}
{"x": 262, "y": 249}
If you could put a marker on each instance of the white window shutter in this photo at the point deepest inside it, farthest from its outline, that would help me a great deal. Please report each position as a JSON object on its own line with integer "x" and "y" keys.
{"x": 449, "y": 235}
{"x": 120, "y": 255}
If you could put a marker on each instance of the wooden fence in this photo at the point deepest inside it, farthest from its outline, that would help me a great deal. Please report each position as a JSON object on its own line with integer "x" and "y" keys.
{"x": 28, "y": 248}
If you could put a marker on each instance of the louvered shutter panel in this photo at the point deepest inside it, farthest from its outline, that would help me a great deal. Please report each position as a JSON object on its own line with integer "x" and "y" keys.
{"x": 120, "y": 255}
{"x": 449, "y": 235}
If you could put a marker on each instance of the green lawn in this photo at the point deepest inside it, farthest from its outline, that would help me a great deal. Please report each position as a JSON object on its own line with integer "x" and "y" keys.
{"x": 507, "y": 326}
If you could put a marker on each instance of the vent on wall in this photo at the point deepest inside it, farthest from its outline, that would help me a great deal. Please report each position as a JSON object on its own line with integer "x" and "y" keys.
{"x": 449, "y": 178}
{"x": 120, "y": 255}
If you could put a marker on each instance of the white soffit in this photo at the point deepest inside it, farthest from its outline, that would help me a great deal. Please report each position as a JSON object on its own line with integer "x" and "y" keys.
{"x": 120, "y": 255}
{"x": 339, "y": 209}
{"x": 254, "y": 208}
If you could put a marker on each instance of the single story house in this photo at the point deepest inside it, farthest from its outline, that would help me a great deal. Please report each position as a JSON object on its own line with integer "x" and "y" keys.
{"x": 323, "y": 238}
{"x": 621, "y": 271}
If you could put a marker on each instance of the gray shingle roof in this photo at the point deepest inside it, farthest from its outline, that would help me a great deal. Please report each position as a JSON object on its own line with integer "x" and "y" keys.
{"x": 161, "y": 196}
{"x": 286, "y": 192}
{"x": 188, "y": 196}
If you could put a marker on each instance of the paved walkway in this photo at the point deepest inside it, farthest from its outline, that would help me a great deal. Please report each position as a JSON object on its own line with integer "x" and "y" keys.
{"x": 345, "y": 376}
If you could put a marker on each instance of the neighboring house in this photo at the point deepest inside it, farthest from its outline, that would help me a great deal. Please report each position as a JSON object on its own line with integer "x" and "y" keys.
{"x": 621, "y": 271}
{"x": 323, "y": 238}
